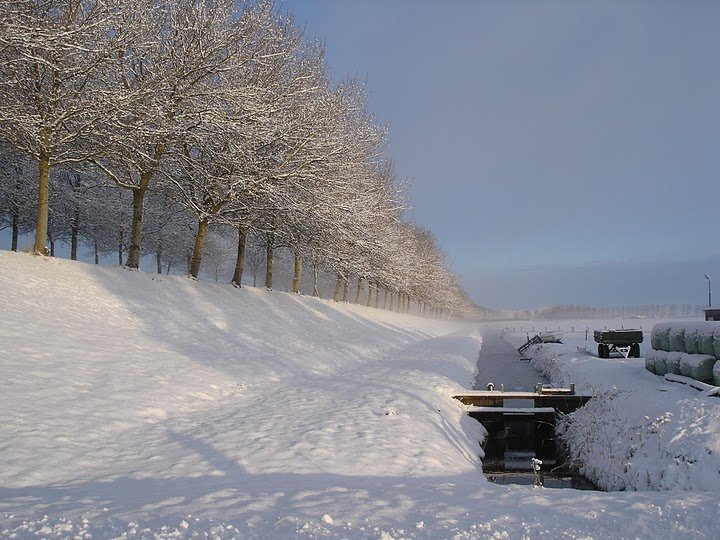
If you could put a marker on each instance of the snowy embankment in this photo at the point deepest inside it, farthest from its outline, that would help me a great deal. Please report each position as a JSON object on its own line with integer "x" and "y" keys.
{"x": 137, "y": 405}
{"x": 641, "y": 432}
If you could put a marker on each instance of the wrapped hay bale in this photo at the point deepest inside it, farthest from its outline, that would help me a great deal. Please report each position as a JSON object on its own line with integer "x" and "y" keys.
{"x": 655, "y": 339}
{"x": 716, "y": 342}
{"x": 660, "y": 337}
{"x": 691, "y": 341}
{"x": 697, "y": 366}
{"x": 650, "y": 355}
{"x": 706, "y": 341}
{"x": 673, "y": 360}
{"x": 716, "y": 373}
{"x": 676, "y": 340}
{"x": 661, "y": 363}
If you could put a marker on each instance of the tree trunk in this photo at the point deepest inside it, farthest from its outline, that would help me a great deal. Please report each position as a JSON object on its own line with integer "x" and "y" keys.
{"x": 97, "y": 251}
{"x": 74, "y": 228}
{"x": 133, "y": 260}
{"x": 52, "y": 246}
{"x": 338, "y": 286}
{"x": 359, "y": 288}
{"x": 120, "y": 248}
{"x": 167, "y": 271}
{"x": 297, "y": 275}
{"x": 346, "y": 289}
{"x": 43, "y": 195}
{"x": 377, "y": 295}
{"x": 369, "y": 296}
{"x": 15, "y": 229}
{"x": 385, "y": 299}
{"x": 316, "y": 292}
{"x": 197, "y": 250}
{"x": 158, "y": 260}
{"x": 240, "y": 260}
{"x": 269, "y": 253}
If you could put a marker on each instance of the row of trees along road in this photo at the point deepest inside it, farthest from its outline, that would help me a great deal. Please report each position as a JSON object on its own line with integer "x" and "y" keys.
{"x": 133, "y": 124}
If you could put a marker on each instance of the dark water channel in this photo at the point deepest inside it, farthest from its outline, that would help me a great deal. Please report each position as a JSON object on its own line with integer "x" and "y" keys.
{"x": 515, "y": 439}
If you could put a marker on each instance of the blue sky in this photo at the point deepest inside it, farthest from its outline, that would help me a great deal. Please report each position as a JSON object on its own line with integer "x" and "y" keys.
{"x": 562, "y": 152}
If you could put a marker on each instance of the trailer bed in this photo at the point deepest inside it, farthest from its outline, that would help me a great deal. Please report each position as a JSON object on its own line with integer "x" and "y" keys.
{"x": 622, "y": 338}
{"x": 625, "y": 342}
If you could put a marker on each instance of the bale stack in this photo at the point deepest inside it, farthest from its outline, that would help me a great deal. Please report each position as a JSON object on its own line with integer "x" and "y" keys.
{"x": 688, "y": 349}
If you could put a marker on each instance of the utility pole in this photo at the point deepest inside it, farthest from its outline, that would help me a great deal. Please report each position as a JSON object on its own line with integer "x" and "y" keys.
{"x": 709, "y": 291}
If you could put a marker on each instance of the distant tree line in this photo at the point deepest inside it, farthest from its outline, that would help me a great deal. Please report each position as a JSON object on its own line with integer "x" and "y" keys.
{"x": 651, "y": 311}
{"x": 199, "y": 129}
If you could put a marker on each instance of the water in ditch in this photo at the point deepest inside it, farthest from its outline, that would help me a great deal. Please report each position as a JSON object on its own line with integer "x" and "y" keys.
{"x": 510, "y": 460}
{"x": 516, "y": 440}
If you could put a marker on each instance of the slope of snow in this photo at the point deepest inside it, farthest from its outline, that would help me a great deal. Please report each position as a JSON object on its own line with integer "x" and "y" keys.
{"x": 136, "y": 405}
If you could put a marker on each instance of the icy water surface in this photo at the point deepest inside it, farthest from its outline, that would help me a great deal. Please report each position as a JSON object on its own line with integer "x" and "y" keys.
{"x": 500, "y": 363}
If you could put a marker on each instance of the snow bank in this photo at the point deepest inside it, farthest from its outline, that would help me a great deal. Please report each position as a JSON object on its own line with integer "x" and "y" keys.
{"x": 143, "y": 406}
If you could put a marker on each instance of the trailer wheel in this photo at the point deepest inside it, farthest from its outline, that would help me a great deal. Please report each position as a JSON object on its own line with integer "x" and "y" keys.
{"x": 635, "y": 350}
{"x": 602, "y": 352}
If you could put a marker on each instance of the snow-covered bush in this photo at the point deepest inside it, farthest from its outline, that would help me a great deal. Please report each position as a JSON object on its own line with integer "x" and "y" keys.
{"x": 595, "y": 439}
{"x": 716, "y": 373}
{"x": 672, "y": 451}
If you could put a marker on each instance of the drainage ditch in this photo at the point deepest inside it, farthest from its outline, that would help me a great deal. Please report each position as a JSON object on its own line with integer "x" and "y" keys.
{"x": 522, "y": 446}
{"x": 523, "y": 449}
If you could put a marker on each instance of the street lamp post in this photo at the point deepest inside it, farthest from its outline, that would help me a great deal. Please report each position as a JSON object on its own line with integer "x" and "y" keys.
{"x": 709, "y": 291}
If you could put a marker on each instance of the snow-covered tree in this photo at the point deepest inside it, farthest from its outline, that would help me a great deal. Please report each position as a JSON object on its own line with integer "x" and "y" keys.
{"x": 167, "y": 76}
{"x": 17, "y": 193}
{"x": 54, "y": 104}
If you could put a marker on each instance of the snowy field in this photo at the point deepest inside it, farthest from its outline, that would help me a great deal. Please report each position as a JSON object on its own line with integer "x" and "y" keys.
{"x": 143, "y": 406}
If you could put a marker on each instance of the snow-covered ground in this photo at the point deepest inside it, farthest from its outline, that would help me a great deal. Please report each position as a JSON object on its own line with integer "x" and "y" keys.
{"x": 137, "y": 405}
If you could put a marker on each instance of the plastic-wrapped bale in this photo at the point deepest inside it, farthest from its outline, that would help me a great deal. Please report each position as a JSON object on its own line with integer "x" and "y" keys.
{"x": 660, "y": 337}
{"x": 716, "y": 342}
{"x": 676, "y": 340}
{"x": 661, "y": 363}
{"x": 665, "y": 339}
{"x": 673, "y": 360}
{"x": 697, "y": 366}
{"x": 691, "y": 341}
{"x": 706, "y": 339}
{"x": 716, "y": 373}
{"x": 655, "y": 339}
{"x": 650, "y": 360}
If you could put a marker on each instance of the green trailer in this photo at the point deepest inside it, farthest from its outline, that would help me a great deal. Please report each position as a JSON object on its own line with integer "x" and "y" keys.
{"x": 625, "y": 342}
